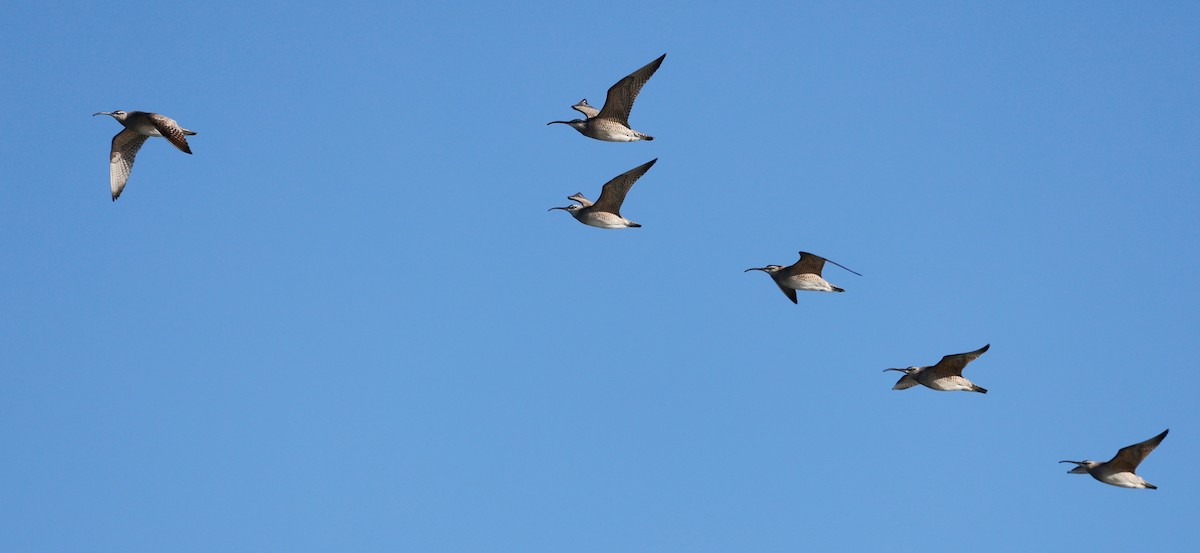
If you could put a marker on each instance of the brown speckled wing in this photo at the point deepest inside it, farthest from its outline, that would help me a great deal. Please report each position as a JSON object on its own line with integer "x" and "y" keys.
{"x": 1130, "y": 457}
{"x": 614, "y": 191}
{"x": 170, "y": 130}
{"x": 621, "y": 95}
{"x": 953, "y": 365}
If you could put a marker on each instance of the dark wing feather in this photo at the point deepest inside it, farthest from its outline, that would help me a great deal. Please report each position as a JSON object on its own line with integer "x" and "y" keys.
{"x": 808, "y": 263}
{"x": 1130, "y": 457}
{"x": 952, "y": 365}
{"x": 614, "y": 191}
{"x": 621, "y": 95}
{"x": 790, "y": 293}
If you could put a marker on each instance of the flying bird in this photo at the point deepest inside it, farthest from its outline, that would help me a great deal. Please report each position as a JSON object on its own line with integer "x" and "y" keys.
{"x": 1119, "y": 471}
{"x": 945, "y": 376}
{"x": 805, "y": 274}
{"x": 139, "y": 125}
{"x": 611, "y": 123}
{"x": 606, "y": 211}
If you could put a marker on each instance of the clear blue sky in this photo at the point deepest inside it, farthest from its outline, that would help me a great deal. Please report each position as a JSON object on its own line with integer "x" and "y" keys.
{"x": 348, "y": 322}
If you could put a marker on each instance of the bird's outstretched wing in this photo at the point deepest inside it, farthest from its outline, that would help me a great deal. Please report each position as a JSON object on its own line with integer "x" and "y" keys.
{"x": 170, "y": 130}
{"x": 952, "y": 365}
{"x": 907, "y": 381}
{"x": 586, "y": 109}
{"x": 808, "y": 263}
{"x": 790, "y": 293}
{"x": 1128, "y": 458}
{"x": 621, "y": 95}
{"x": 125, "y": 146}
{"x": 614, "y": 191}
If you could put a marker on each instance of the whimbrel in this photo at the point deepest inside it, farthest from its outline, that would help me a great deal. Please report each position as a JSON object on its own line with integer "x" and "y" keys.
{"x": 805, "y": 274}
{"x": 945, "y": 376}
{"x": 139, "y": 125}
{"x": 611, "y": 123}
{"x": 1119, "y": 471}
{"x": 606, "y": 211}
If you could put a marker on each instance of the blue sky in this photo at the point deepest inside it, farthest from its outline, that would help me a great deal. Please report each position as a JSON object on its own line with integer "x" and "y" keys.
{"x": 348, "y": 323}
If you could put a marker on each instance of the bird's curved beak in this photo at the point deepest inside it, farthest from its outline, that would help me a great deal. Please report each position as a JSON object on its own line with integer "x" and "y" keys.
{"x": 102, "y": 113}
{"x": 553, "y": 122}
{"x": 755, "y": 269}
{"x": 886, "y": 370}
{"x": 554, "y": 208}
{"x": 1079, "y": 468}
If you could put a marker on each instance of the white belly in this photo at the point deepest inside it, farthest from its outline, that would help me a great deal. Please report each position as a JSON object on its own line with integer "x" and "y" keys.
{"x": 1124, "y": 480}
{"x": 603, "y": 219}
{"x": 615, "y": 137}
{"x": 951, "y": 384}
{"x": 808, "y": 282}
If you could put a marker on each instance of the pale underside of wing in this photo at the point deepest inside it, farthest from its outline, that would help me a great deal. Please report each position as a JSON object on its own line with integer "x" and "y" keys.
{"x": 614, "y": 191}
{"x": 586, "y": 109}
{"x": 170, "y": 130}
{"x": 907, "y": 381}
{"x": 621, "y": 95}
{"x": 125, "y": 146}
{"x": 953, "y": 365}
{"x": 1128, "y": 458}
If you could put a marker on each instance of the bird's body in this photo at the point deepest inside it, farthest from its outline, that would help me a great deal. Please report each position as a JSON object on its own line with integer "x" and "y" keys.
{"x": 804, "y": 274}
{"x": 139, "y": 125}
{"x": 606, "y": 211}
{"x": 945, "y": 376}
{"x": 606, "y": 130}
{"x": 611, "y": 123}
{"x": 1120, "y": 470}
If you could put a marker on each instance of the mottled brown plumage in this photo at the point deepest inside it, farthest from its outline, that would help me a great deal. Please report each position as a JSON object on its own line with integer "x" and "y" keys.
{"x": 139, "y": 125}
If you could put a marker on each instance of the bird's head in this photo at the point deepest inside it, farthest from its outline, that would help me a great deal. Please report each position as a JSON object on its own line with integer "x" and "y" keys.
{"x": 569, "y": 209}
{"x": 769, "y": 269}
{"x": 1082, "y": 467}
{"x": 119, "y": 115}
{"x": 907, "y": 370}
{"x": 579, "y": 124}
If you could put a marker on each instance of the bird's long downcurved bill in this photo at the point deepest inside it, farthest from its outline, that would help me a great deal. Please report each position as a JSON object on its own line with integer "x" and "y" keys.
{"x": 102, "y": 113}
{"x": 563, "y": 122}
{"x": 899, "y": 370}
{"x": 755, "y": 269}
{"x": 554, "y": 208}
{"x": 1079, "y": 468}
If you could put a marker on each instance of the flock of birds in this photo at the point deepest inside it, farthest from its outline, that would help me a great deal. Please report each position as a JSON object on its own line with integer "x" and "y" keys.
{"x": 611, "y": 123}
